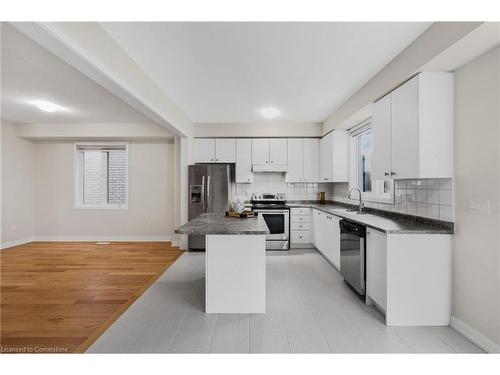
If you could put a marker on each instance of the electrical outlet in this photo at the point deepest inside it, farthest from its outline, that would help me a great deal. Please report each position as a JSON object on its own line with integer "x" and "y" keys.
{"x": 479, "y": 206}
{"x": 13, "y": 228}
{"x": 149, "y": 224}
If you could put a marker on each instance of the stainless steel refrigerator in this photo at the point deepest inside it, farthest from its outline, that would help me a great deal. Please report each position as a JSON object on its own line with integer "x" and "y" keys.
{"x": 209, "y": 191}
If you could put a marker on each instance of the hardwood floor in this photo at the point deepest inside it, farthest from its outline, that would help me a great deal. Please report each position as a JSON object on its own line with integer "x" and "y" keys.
{"x": 60, "y": 297}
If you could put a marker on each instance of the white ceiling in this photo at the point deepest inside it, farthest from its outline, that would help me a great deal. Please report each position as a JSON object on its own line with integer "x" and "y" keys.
{"x": 30, "y": 72}
{"x": 226, "y": 72}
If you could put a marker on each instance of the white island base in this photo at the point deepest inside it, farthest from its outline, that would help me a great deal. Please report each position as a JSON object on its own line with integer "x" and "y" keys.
{"x": 235, "y": 274}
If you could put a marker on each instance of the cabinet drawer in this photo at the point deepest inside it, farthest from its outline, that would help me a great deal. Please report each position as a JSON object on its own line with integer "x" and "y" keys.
{"x": 300, "y": 236}
{"x": 301, "y": 218}
{"x": 300, "y": 211}
{"x": 300, "y": 226}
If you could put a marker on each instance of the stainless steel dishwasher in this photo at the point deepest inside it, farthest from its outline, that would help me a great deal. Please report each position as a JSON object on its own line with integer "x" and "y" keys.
{"x": 352, "y": 254}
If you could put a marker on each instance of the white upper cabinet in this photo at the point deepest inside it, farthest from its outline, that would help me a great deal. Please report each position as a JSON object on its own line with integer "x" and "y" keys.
{"x": 225, "y": 150}
{"x": 269, "y": 151}
{"x": 204, "y": 150}
{"x": 295, "y": 172}
{"x": 244, "y": 160}
{"x": 278, "y": 151}
{"x": 260, "y": 151}
{"x": 381, "y": 130}
{"x": 413, "y": 129}
{"x": 302, "y": 160}
{"x": 404, "y": 140}
{"x": 311, "y": 159}
{"x": 214, "y": 150}
{"x": 334, "y": 157}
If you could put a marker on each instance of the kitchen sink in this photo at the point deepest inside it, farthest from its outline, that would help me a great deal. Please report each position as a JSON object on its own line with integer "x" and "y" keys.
{"x": 356, "y": 213}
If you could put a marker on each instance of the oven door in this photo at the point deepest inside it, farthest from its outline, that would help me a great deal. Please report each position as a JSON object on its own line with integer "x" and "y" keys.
{"x": 278, "y": 222}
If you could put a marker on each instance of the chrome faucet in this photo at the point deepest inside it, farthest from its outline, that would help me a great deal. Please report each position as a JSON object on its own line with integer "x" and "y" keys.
{"x": 361, "y": 205}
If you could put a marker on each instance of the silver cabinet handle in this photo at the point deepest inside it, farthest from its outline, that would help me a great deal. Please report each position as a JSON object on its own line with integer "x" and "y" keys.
{"x": 386, "y": 173}
{"x": 203, "y": 191}
{"x": 208, "y": 192}
{"x": 393, "y": 173}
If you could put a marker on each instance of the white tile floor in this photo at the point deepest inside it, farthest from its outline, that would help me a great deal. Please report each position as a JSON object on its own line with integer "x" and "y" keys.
{"x": 309, "y": 310}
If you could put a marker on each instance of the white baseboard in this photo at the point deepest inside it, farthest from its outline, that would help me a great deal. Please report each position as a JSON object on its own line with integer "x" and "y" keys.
{"x": 104, "y": 238}
{"x": 22, "y": 241}
{"x": 473, "y": 335}
{"x": 8, "y": 244}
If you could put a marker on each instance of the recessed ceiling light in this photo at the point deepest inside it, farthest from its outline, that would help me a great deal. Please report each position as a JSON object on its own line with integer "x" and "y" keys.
{"x": 270, "y": 112}
{"x": 47, "y": 106}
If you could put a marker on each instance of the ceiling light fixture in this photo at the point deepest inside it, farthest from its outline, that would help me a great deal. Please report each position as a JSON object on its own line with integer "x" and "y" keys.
{"x": 46, "y": 106}
{"x": 270, "y": 112}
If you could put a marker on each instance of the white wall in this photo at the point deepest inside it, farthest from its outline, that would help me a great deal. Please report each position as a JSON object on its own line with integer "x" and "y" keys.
{"x": 150, "y": 207}
{"x": 38, "y": 192}
{"x": 476, "y": 266}
{"x": 18, "y": 171}
{"x": 262, "y": 129}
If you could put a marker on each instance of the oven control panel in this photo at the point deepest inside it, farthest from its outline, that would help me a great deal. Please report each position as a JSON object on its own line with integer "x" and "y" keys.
{"x": 268, "y": 197}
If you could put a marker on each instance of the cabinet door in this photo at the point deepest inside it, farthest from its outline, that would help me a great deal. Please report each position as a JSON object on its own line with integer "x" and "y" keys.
{"x": 225, "y": 150}
{"x": 405, "y": 134}
{"x": 278, "y": 151}
{"x": 381, "y": 130}
{"x": 260, "y": 151}
{"x": 331, "y": 239}
{"x": 326, "y": 159}
{"x": 310, "y": 160}
{"x": 244, "y": 160}
{"x": 316, "y": 230}
{"x": 340, "y": 154}
{"x": 295, "y": 160}
{"x": 334, "y": 240}
{"x": 376, "y": 267}
{"x": 204, "y": 150}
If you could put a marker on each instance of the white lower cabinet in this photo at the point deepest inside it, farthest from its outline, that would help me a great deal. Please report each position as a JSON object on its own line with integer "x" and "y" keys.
{"x": 300, "y": 227}
{"x": 376, "y": 267}
{"x": 409, "y": 277}
{"x": 326, "y": 236}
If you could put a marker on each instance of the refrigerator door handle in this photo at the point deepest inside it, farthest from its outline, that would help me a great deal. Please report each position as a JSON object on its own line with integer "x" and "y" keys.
{"x": 208, "y": 192}
{"x": 203, "y": 191}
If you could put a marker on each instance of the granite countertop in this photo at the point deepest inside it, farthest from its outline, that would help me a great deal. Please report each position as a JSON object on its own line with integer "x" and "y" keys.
{"x": 390, "y": 224}
{"x": 222, "y": 224}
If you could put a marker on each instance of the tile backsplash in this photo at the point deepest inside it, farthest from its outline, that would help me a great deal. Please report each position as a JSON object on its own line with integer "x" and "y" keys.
{"x": 275, "y": 183}
{"x": 431, "y": 198}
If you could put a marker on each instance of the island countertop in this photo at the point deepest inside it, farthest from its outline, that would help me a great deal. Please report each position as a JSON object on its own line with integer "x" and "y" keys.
{"x": 222, "y": 224}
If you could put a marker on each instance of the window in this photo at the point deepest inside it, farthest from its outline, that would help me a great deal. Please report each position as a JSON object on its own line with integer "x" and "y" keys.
{"x": 101, "y": 176}
{"x": 361, "y": 150}
{"x": 365, "y": 160}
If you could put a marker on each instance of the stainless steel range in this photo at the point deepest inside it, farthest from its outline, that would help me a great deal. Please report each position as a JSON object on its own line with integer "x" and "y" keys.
{"x": 276, "y": 213}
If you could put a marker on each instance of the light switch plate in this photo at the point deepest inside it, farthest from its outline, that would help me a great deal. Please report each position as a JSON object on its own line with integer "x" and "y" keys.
{"x": 479, "y": 206}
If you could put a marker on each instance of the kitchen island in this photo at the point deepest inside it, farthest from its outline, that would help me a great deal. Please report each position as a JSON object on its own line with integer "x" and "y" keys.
{"x": 235, "y": 262}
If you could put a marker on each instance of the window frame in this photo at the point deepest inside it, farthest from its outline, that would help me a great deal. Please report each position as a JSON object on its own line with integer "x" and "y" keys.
{"x": 354, "y": 158}
{"x": 78, "y": 203}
